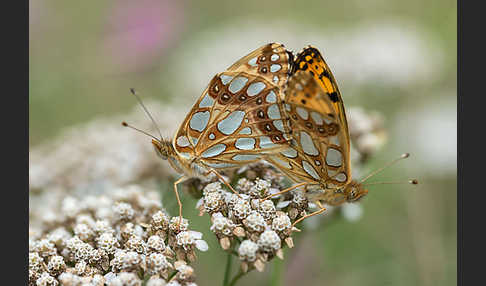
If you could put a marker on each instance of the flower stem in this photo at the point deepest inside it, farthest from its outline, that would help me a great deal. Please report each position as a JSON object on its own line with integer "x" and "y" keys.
{"x": 227, "y": 271}
{"x": 236, "y": 278}
{"x": 276, "y": 276}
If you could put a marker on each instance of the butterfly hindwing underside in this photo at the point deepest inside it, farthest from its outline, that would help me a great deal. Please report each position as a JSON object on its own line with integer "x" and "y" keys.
{"x": 271, "y": 61}
{"x": 237, "y": 118}
{"x": 319, "y": 149}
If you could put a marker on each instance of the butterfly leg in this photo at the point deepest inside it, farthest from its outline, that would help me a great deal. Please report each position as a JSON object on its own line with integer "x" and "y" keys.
{"x": 180, "y": 180}
{"x": 224, "y": 181}
{"x": 321, "y": 210}
{"x": 284, "y": 191}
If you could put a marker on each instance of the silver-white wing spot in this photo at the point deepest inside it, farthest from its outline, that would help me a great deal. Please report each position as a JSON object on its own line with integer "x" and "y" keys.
{"x": 285, "y": 164}
{"x": 207, "y": 101}
{"x": 274, "y": 112}
{"x": 331, "y": 172}
{"x": 212, "y": 136}
{"x": 245, "y": 131}
{"x": 199, "y": 121}
{"x": 245, "y": 157}
{"x": 221, "y": 165}
{"x": 231, "y": 123}
{"x": 266, "y": 142}
{"x": 214, "y": 151}
{"x": 307, "y": 144}
{"x": 327, "y": 120}
{"x": 279, "y": 125}
{"x": 334, "y": 140}
{"x": 289, "y": 153}
{"x": 182, "y": 141}
{"x": 316, "y": 117}
{"x": 302, "y": 113}
{"x": 271, "y": 97}
{"x": 255, "y": 88}
{"x": 309, "y": 169}
{"x": 334, "y": 157}
{"x": 252, "y": 62}
{"x": 225, "y": 78}
{"x": 275, "y": 68}
{"x": 341, "y": 177}
{"x": 194, "y": 140}
{"x": 237, "y": 84}
{"x": 274, "y": 57}
{"x": 245, "y": 143}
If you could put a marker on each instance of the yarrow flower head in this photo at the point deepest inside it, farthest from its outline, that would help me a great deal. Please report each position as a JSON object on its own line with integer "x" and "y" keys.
{"x": 249, "y": 222}
{"x": 132, "y": 241}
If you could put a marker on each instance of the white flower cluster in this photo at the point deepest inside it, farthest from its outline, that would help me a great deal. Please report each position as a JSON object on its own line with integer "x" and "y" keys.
{"x": 91, "y": 243}
{"x": 71, "y": 163}
{"x": 262, "y": 226}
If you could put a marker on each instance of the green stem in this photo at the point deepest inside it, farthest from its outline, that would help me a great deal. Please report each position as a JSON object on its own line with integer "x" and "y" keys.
{"x": 276, "y": 276}
{"x": 227, "y": 271}
{"x": 236, "y": 278}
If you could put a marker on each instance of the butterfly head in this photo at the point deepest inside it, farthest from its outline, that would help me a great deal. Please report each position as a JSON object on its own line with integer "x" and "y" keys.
{"x": 354, "y": 191}
{"x": 163, "y": 148}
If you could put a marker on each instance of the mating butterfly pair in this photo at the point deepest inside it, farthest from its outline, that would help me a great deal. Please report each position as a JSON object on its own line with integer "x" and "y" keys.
{"x": 270, "y": 106}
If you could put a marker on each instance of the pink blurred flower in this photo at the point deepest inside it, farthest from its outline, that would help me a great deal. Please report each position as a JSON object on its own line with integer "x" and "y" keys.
{"x": 140, "y": 31}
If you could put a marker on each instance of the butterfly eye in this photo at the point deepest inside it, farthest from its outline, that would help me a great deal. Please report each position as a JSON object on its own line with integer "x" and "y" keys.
{"x": 160, "y": 153}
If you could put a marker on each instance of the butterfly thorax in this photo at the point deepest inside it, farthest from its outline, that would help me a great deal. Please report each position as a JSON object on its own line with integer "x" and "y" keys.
{"x": 186, "y": 166}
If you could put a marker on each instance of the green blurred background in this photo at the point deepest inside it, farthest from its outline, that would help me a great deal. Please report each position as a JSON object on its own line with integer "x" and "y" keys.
{"x": 396, "y": 57}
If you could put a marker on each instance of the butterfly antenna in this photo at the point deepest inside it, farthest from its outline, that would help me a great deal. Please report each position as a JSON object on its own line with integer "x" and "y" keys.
{"x": 132, "y": 90}
{"x": 412, "y": 182}
{"x": 139, "y": 130}
{"x": 403, "y": 156}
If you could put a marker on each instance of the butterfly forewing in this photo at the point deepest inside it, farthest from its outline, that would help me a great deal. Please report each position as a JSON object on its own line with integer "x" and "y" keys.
{"x": 238, "y": 118}
{"x": 311, "y": 60}
{"x": 319, "y": 150}
{"x": 271, "y": 61}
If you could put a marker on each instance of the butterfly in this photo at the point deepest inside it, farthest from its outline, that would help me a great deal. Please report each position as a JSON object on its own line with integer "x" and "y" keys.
{"x": 237, "y": 119}
{"x": 318, "y": 156}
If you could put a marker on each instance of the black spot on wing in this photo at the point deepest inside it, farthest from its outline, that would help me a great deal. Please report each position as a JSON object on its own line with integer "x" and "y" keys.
{"x": 333, "y": 96}
{"x": 292, "y": 63}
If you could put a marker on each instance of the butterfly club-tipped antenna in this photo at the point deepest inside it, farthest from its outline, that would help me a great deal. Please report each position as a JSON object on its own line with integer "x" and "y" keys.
{"x": 379, "y": 170}
{"x": 139, "y": 130}
{"x": 132, "y": 90}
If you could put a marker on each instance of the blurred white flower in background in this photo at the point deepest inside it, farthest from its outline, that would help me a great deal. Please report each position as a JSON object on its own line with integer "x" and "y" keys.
{"x": 80, "y": 157}
{"x": 429, "y": 133}
{"x": 384, "y": 53}
{"x": 352, "y": 211}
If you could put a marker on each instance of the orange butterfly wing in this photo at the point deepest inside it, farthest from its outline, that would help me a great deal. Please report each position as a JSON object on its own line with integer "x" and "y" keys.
{"x": 311, "y": 60}
{"x": 320, "y": 148}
